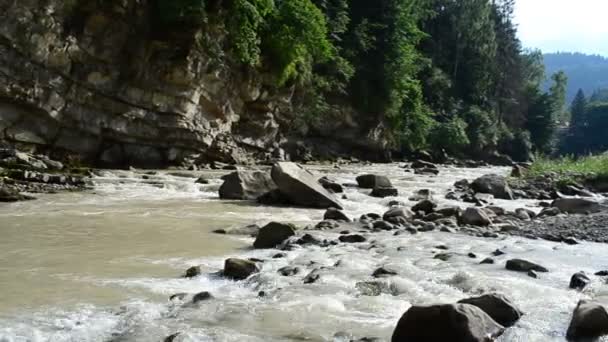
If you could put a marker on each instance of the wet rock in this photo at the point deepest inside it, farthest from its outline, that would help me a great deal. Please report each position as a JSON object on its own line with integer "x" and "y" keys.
{"x": 178, "y": 296}
{"x": 517, "y": 171}
{"x": 354, "y": 238}
{"x": 522, "y": 214}
{"x": 421, "y": 164}
{"x": 421, "y": 195}
{"x": 246, "y": 185}
{"x": 383, "y": 272}
{"x": 589, "y": 321}
{"x": 327, "y": 225}
{"x": 453, "y": 322}
{"x": 279, "y": 255}
{"x": 308, "y": 239}
{"x": 579, "y": 281}
{"x": 373, "y": 181}
{"x": 172, "y": 337}
{"x": 273, "y": 234}
{"x": 288, "y": 271}
{"x": 394, "y": 214}
{"x": 442, "y": 247}
{"x": 12, "y": 195}
{"x": 192, "y": 272}
{"x": 487, "y": 261}
{"x": 201, "y": 296}
{"x": 249, "y": 230}
{"x": 335, "y": 214}
{"x": 462, "y": 184}
{"x": 444, "y": 256}
{"x": 239, "y": 269}
{"x": 331, "y": 185}
{"x": 577, "y": 205}
{"x": 472, "y": 255}
{"x": 602, "y": 273}
{"x": 449, "y": 211}
{"x": 426, "y": 206}
{"x": 498, "y": 252}
{"x": 475, "y": 217}
{"x": 381, "y": 192}
{"x": 300, "y": 186}
{"x": 383, "y": 225}
{"x": 395, "y": 203}
{"x": 493, "y": 184}
{"x": 498, "y": 211}
{"x": 570, "y": 241}
{"x": 274, "y": 197}
{"x": 521, "y": 265}
{"x": 312, "y": 277}
{"x": 427, "y": 227}
{"x": 203, "y": 180}
{"x": 497, "y": 306}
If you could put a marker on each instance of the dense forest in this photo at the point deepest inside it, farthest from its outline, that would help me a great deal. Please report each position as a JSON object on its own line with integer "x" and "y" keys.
{"x": 586, "y": 72}
{"x": 440, "y": 75}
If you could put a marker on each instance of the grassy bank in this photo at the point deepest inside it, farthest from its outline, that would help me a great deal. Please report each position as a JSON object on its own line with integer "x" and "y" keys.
{"x": 569, "y": 167}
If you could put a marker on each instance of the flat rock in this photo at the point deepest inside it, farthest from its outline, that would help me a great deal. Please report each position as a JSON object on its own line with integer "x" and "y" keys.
{"x": 497, "y": 306}
{"x": 521, "y": 265}
{"x": 577, "y": 205}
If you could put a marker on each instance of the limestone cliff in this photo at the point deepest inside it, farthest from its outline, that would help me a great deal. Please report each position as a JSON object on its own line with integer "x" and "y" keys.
{"x": 97, "y": 80}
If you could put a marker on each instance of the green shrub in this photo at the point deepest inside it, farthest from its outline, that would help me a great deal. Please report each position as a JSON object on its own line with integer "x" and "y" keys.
{"x": 180, "y": 12}
{"x": 450, "y": 136}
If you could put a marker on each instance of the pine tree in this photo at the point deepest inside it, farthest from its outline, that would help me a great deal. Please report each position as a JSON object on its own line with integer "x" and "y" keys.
{"x": 577, "y": 110}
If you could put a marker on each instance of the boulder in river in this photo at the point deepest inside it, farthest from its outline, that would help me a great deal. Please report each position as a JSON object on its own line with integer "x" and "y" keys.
{"x": 331, "y": 185}
{"x": 493, "y": 184}
{"x": 521, "y": 265}
{"x": 382, "y": 192}
{"x": 273, "y": 234}
{"x": 579, "y": 280}
{"x": 11, "y": 195}
{"x": 589, "y": 322}
{"x": 475, "y": 217}
{"x": 421, "y": 195}
{"x": 497, "y": 306}
{"x": 577, "y": 205}
{"x": 335, "y": 214}
{"x": 301, "y": 187}
{"x": 246, "y": 185}
{"x": 239, "y": 269}
{"x": 394, "y": 214}
{"x": 354, "y": 238}
{"x": 421, "y": 164}
{"x": 192, "y": 272}
{"x": 373, "y": 181}
{"x": 426, "y": 206}
{"x": 451, "y": 322}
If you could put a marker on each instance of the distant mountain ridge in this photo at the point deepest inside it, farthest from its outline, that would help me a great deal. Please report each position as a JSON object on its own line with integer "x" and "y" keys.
{"x": 587, "y": 72}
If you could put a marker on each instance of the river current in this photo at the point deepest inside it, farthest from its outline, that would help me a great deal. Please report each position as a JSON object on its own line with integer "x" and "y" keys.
{"x": 100, "y": 265}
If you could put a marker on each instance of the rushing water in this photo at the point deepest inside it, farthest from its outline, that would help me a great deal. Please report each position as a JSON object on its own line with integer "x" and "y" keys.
{"x": 100, "y": 266}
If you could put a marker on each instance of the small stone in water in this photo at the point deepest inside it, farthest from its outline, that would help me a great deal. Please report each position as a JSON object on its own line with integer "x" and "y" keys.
{"x": 383, "y": 272}
{"x": 498, "y": 252}
{"x": 201, "y": 296}
{"x": 279, "y": 255}
{"x": 442, "y": 247}
{"x": 487, "y": 261}
{"x": 472, "y": 255}
{"x": 192, "y": 272}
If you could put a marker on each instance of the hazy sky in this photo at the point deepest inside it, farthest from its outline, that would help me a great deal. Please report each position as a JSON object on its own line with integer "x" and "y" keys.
{"x": 564, "y": 25}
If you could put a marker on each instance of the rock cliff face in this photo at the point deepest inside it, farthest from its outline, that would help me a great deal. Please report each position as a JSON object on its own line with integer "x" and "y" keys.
{"x": 99, "y": 81}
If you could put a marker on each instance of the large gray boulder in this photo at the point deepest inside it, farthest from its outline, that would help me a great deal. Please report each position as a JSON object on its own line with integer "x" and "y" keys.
{"x": 589, "y": 321}
{"x": 246, "y": 185}
{"x": 493, "y": 184}
{"x": 497, "y": 306}
{"x": 475, "y": 217}
{"x": 273, "y": 234}
{"x": 577, "y": 205}
{"x": 373, "y": 181}
{"x": 301, "y": 187}
{"x": 453, "y": 322}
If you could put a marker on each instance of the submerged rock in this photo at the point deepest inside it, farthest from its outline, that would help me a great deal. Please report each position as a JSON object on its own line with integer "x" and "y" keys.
{"x": 520, "y": 265}
{"x": 354, "y": 238}
{"x": 383, "y": 272}
{"x": 239, "y": 269}
{"x": 452, "y": 322}
{"x": 273, "y": 234}
{"x": 497, "y": 306}
{"x": 426, "y": 206}
{"x": 331, "y": 185}
{"x": 335, "y": 214}
{"x": 589, "y": 321}
{"x": 382, "y": 192}
{"x": 301, "y": 187}
{"x": 192, "y": 272}
{"x": 493, "y": 184}
{"x": 246, "y": 185}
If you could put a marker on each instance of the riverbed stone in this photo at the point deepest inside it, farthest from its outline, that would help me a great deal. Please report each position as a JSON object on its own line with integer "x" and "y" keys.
{"x": 201, "y": 296}
{"x": 493, "y": 184}
{"x": 426, "y": 206}
{"x": 192, "y": 272}
{"x": 239, "y": 269}
{"x": 450, "y": 322}
{"x": 382, "y": 192}
{"x": 589, "y": 321}
{"x": 331, "y": 185}
{"x": 520, "y": 265}
{"x": 354, "y": 238}
{"x": 301, "y": 187}
{"x": 246, "y": 185}
{"x": 475, "y": 217}
{"x": 273, "y": 234}
{"x": 370, "y": 181}
{"x": 397, "y": 212}
{"x": 383, "y": 272}
{"x": 497, "y": 306}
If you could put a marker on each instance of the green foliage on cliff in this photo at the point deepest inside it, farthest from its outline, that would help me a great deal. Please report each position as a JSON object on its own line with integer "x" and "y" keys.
{"x": 416, "y": 70}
